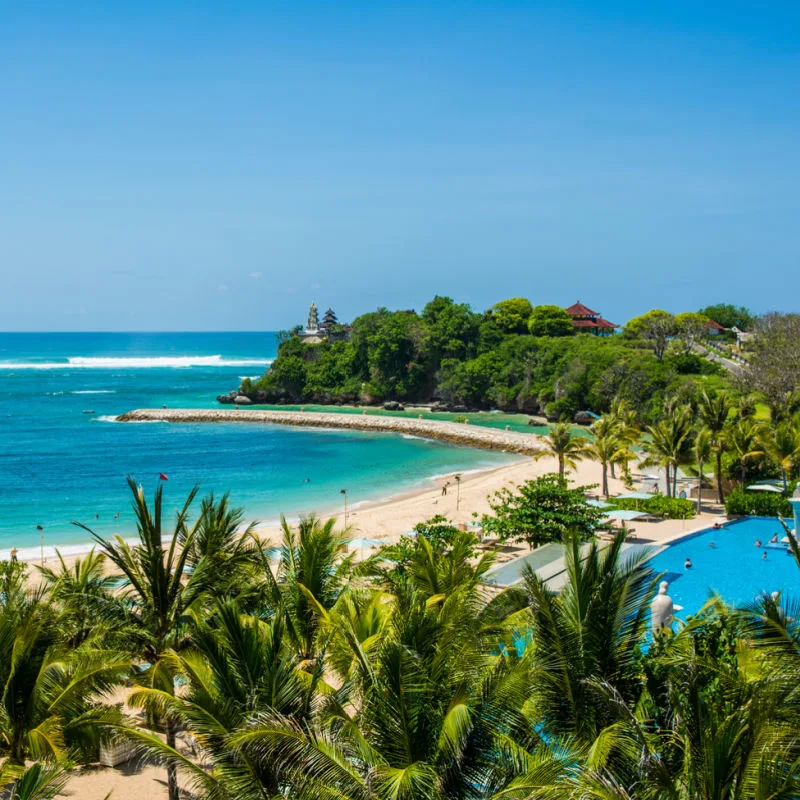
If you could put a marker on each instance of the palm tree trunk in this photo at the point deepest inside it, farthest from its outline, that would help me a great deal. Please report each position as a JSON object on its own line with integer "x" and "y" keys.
{"x": 605, "y": 480}
{"x": 561, "y": 467}
{"x": 785, "y": 484}
{"x": 700, "y": 486}
{"x": 718, "y": 476}
{"x": 613, "y": 473}
{"x": 172, "y": 770}
{"x": 669, "y": 486}
{"x": 675, "y": 480}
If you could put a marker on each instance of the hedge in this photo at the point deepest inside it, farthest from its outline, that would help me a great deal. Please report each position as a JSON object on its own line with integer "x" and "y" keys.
{"x": 659, "y": 506}
{"x": 759, "y": 504}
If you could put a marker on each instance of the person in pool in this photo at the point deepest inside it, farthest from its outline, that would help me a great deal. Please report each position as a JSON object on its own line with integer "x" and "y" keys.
{"x": 764, "y": 556}
{"x": 774, "y": 539}
{"x": 757, "y": 542}
{"x": 688, "y": 563}
{"x": 712, "y": 545}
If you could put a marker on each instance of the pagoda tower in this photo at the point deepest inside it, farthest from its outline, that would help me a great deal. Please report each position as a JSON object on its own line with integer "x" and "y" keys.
{"x": 312, "y": 325}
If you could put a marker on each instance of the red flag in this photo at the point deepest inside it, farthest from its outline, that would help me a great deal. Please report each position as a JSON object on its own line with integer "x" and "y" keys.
{"x": 162, "y": 477}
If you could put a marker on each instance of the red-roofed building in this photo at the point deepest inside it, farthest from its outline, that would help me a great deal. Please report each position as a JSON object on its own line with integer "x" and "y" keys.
{"x": 584, "y": 320}
{"x": 714, "y": 328}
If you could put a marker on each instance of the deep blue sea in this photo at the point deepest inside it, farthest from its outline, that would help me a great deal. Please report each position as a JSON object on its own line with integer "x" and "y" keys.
{"x": 64, "y": 459}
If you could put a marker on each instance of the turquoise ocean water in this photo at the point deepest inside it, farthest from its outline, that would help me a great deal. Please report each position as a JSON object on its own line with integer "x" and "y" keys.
{"x": 62, "y": 458}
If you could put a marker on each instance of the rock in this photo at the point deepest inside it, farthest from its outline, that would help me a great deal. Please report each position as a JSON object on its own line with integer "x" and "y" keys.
{"x": 538, "y": 421}
{"x": 583, "y": 418}
{"x": 226, "y": 399}
{"x": 393, "y": 405}
{"x": 241, "y": 400}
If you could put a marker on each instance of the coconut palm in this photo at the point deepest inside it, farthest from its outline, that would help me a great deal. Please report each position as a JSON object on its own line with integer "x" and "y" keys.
{"x": 240, "y": 667}
{"x": 562, "y": 444}
{"x": 36, "y": 782}
{"x": 49, "y": 704}
{"x": 431, "y": 709}
{"x": 608, "y": 447}
{"x": 591, "y": 630}
{"x": 77, "y": 589}
{"x": 157, "y": 596}
{"x": 701, "y": 451}
{"x": 712, "y": 414}
{"x": 743, "y": 439}
{"x": 311, "y": 576}
{"x": 781, "y": 444}
{"x": 624, "y": 419}
{"x": 668, "y": 444}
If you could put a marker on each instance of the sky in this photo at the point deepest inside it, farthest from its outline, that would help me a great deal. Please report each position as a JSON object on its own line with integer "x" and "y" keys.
{"x": 210, "y": 166}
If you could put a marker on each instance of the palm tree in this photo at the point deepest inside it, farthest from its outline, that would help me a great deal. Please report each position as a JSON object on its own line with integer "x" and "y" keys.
{"x": 240, "y": 667}
{"x": 591, "y": 630}
{"x": 562, "y": 444}
{"x": 712, "y": 413}
{"x": 669, "y": 442}
{"x": 36, "y": 782}
{"x": 608, "y": 447}
{"x": 48, "y": 690}
{"x": 158, "y": 597}
{"x": 624, "y": 419}
{"x": 78, "y": 589}
{"x": 701, "y": 451}
{"x": 743, "y": 440}
{"x": 311, "y": 576}
{"x": 781, "y": 444}
{"x": 429, "y": 707}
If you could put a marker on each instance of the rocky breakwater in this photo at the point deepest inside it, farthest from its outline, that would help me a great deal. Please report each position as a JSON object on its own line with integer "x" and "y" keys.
{"x": 450, "y": 432}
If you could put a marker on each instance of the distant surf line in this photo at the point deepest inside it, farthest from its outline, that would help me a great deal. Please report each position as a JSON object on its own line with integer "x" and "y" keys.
{"x": 136, "y": 362}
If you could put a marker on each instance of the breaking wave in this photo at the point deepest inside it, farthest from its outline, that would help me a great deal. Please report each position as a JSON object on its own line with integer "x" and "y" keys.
{"x": 137, "y": 362}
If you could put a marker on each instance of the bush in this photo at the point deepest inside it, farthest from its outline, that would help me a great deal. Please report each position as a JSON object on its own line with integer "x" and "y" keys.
{"x": 759, "y": 504}
{"x": 660, "y": 506}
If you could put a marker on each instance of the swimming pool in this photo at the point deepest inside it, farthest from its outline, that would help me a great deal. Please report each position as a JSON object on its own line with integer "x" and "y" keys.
{"x": 734, "y": 568}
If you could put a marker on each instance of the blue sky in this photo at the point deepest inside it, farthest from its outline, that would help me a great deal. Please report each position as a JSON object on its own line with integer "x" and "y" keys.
{"x": 170, "y": 166}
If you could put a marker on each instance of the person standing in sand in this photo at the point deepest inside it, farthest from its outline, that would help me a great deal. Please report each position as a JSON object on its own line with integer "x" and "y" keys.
{"x": 444, "y": 488}
{"x": 13, "y": 553}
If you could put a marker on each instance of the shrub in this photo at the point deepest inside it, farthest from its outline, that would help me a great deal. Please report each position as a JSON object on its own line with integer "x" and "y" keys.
{"x": 660, "y": 506}
{"x": 760, "y": 504}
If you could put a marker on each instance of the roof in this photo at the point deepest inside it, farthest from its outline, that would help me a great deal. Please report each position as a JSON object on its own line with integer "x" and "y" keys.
{"x": 580, "y": 310}
{"x": 714, "y": 325}
{"x": 593, "y": 323}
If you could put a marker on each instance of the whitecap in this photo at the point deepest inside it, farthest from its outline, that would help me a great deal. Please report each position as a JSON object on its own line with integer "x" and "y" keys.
{"x": 94, "y": 391}
{"x": 136, "y": 362}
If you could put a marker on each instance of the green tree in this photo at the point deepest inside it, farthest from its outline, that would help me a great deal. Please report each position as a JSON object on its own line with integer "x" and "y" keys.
{"x": 701, "y": 451}
{"x": 668, "y": 444}
{"x": 656, "y": 327}
{"x": 743, "y": 442}
{"x": 512, "y": 315}
{"x": 608, "y": 447}
{"x": 564, "y": 445}
{"x": 540, "y": 511}
{"x": 690, "y": 328}
{"x": 730, "y": 316}
{"x": 712, "y": 414}
{"x": 550, "y": 321}
{"x": 781, "y": 444}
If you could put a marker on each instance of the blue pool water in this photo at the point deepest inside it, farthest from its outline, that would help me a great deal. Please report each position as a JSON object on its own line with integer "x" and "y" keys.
{"x": 734, "y": 568}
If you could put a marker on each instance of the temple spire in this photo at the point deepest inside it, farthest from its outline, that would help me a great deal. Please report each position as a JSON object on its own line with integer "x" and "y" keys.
{"x": 313, "y": 319}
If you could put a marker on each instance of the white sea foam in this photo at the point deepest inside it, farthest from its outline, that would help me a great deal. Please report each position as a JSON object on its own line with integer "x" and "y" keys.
{"x": 137, "y": 362}
{"x": 113, "y": 418}
{"x": 94, "y": 391}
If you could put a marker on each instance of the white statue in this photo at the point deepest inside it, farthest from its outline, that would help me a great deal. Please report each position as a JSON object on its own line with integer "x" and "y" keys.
{"x": 662, "y": 608}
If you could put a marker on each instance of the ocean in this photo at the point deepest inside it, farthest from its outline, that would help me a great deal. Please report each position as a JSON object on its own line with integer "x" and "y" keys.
{"x": 63, "y": 459}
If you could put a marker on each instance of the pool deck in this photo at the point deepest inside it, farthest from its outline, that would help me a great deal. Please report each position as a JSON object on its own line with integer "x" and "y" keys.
{"x": 654, "y": 535}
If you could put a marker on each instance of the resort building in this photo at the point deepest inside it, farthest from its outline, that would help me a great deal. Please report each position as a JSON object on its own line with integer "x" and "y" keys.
{"x": 713, "y": 328}
{"x": 584, "y": 320}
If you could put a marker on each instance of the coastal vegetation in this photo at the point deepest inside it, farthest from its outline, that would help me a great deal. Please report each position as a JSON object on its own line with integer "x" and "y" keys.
{"x": 513, "y": 357}
{"x": 301, "y": 674}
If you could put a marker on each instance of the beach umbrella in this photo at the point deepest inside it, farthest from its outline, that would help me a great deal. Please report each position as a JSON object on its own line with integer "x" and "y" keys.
{"x": 768, "y": 482}
{"x": 599, "y": 504}
{"x": 272, "y": 553}
{"x": 362, "y": 541}
{"x": 764, "y": 487}
{"x": 634, "y": 496}
{"x": 624, "y": 514}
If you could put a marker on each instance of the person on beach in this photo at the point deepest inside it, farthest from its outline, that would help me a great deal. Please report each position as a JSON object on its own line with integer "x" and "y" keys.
{"x": 13, "y": 553}
{"x": 444, "y": 488}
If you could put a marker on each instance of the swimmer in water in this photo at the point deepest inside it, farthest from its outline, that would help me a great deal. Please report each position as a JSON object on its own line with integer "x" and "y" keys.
{"x": 712, "y": 546}
{"x": 764, "y": 556}
{"x": 758, "y": 542}
{"x": 774, "y": 539}
{"x": 688, "y": 563}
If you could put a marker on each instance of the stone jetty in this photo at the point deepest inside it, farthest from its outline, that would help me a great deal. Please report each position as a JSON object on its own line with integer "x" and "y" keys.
{"x": 451, "y": 432}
